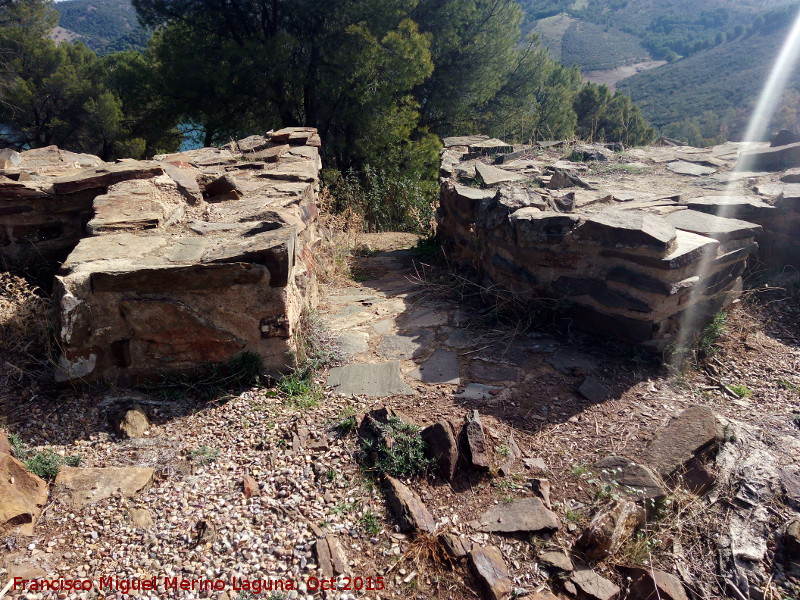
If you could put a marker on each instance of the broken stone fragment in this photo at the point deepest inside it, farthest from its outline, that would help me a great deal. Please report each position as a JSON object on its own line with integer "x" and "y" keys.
{"x": 338, "y": 556}
{"x": 131, "y": 423}
{"x": 557, "y": 559}
{"x": 652, "y": 584}
{"x": 526, "y": 515}
{"x": 408, "y": 509}
{"x": 141, "y": 518}
{"x": 507, "y": 454}
{"x": 594, "y": 391}
{"x": 491, "y": 571}
{"x": 693, "y": 433}
{"x": 541, "y": 489}
{"x": 442, "y": 447}
{"x": 249, "y": 487}
{"x": 106, "y": 175}
{"x": 477, "y": 444}
{"x": 609, "y": 529}
{"x": 634, "y": 480}
{"x": 22, "y": 497}
{"x": 593, "y": 585}
{"x": 455, "y": 545}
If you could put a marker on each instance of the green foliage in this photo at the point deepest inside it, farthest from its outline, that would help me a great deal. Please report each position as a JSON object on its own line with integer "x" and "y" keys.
{"x": 47, "y": 463}
{"x": 711, "y": 334}
{"x": 370, "y": 523}
{"x": 609, "y": 47}
{"x": 610, "y": 118}
{"x": 388, "y": 202}
{"x": 204, "y": 455}
{"x": 397, "y": 450}
{"x": 741, "y": 390}
{"x": 65, "y": 95}
{"x": 107, "y": 26}
{"x": 782, "y": 383}
{"x": 300, "y": 389}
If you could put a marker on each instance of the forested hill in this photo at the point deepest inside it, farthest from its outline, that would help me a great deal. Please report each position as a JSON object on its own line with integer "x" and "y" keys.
{"x": 103, "y": 25}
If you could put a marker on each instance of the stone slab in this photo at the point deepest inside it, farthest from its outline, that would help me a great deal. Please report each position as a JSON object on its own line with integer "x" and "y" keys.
{"x": 613, "y": 228}
{"x": 405, "y": 346}
{"x": 707, "y": 225}
{"x": 681, "y": 167}
{"x": 737, "y": 207}
{"x": 526, "y": 515}
{"x": 478, "y": 391}
{"x": 82, "y": 486}
{"x": 491, "y": 176}
{"x": 372, "y": 380}
{"x": 353, "y": 343}
{"x": 442, "y": 367}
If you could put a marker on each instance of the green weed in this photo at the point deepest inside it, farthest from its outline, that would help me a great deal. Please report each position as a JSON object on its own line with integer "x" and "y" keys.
{"x": 204, "y": 455}
{"x": 47, "y": 463}
{"x": 370, "y": 523}
{"x": 741, "y": 391}
{"x": 710, "y": 335}
{"x": 788, "y": 385}
{"x": 398, "y": 449}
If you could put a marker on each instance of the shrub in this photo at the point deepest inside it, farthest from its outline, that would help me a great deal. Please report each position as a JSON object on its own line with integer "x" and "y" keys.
{"x": 398, "y": 449}
{"x": 386, "y": 201}
{"x": 47, "y": 463}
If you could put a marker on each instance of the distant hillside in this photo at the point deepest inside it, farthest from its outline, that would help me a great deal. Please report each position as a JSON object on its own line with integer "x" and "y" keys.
{"x": 728, "y": 77}
{"x": 103, "y": 25}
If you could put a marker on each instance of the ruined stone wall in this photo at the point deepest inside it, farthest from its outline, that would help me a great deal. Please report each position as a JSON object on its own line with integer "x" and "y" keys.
{"x": 624, "y": 267}
{"x": 189, "y": 259}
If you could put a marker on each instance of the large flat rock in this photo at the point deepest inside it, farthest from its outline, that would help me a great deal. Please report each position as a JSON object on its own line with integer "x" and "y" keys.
{"x": 102, "y": 177}
{"x": 770, "y": 159}
{"x": 686, "y": 436}
{"x": 614, "y": 228}
{"x": 22, "y": 497}
{"x": 372, "y": 380}
{"x": 82, "y": 486}
{"x": 718, "y": 228}
{"x": 527, "y": 515}
{"x": 441, "y": 367}
{"x": 738, "y": 207}
{"x": 491, "y": 176}
{"x": 682, "y": 167}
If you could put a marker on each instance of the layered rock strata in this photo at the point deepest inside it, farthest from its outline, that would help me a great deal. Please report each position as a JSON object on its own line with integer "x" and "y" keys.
{"x": 189, "y": 259}
{"x": 617, "y": 264}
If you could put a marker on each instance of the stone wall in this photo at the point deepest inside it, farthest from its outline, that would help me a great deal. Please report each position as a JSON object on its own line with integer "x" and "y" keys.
{"x": 616, "y": 264}
{"x": 188, "y": 259}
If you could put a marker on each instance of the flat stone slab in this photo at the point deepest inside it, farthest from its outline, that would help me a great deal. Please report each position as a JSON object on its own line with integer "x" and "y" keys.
{"x": 491, "y": 572}
{"x": 739, "y": 207}
{"x": 405, "y": 346}
{"x": 594, "y": 391}
{"x": 490, "y": 175}
{"x": 634, "y": 480}
{"x": 82, "y": 486}
{"x": 425, "y": 317}
{"x": 106, "y": 175}
{"x": 478, "y": 391}
{"x": 353, "y": 343}
{"x": 527, "y": 515}
{"x": 442, "y": 367}
{"x": 408, "y": 509}
{"x": 718, "y": 228}
{"x": 373, "y": 380}
{"x": 594, "y": 585}
{"x": 686, "y": 435}
{"x": 614, "y": 228}
{"x": 681, "y": 167}
{"x": 464, "y": 140}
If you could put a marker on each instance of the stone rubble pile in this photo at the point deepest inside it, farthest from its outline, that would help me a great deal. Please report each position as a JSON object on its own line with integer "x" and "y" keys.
{"x": 191, "y": 258}
{"x": 620, "y": 263}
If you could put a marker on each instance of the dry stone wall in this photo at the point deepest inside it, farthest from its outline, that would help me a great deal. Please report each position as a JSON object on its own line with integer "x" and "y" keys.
{"x": 619, "y": 264}
{"x": 188, "y": 259}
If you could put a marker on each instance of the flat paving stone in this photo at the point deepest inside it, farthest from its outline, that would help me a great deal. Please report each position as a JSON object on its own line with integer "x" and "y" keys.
{"x": 460, "y": 338}
{"x": 479, "y": 391}
{"x": 425, "y": 317}
{"x": 711, "y": 226}
{"x": 353, "y": 343}
{"x": 373, "y": 380}
{"x": 384, "y": 326}
{"x": 681, "y": 167}
{"x": 405, "y": 346}
{"x": 442, "y": 367}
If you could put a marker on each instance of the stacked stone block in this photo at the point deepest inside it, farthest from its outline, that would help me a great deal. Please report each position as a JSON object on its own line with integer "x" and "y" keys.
{"x": 629, "y": 269}
{"x": 189, "y": 259}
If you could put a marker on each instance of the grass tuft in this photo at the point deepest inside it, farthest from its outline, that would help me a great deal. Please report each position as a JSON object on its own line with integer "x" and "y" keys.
{"x": 397, "y": 450}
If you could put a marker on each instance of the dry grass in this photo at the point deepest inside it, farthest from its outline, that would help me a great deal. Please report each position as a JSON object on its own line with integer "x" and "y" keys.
{"x": 24, "y": 336}
{"x": 341, "y": 235}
